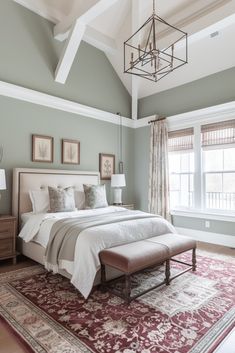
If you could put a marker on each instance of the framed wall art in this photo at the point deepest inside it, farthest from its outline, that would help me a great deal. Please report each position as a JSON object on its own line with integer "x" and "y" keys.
{"x": 106, "y": 166}
{"x": 42, "y": 148}
{"x": 70, "y": 152}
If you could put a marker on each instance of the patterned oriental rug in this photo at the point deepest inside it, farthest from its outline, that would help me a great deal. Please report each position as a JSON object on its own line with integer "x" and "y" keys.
{"x": 192, "y": 315}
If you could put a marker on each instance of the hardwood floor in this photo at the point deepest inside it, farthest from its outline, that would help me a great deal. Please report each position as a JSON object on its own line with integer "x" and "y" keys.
{"x": 218, "y": 249}
{"x": 228, "y": 344}
{"x": 22, "y": 261}
{"x": 11, "y": 344}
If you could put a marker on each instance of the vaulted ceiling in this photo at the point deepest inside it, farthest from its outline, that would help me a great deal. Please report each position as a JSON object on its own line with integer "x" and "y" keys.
{"x": 106, "y": 24}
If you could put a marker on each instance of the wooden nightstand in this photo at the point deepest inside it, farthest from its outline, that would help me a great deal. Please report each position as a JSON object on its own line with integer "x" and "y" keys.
{"x": 8, "y": 238}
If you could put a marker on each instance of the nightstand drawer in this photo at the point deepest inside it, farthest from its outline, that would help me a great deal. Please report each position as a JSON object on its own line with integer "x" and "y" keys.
{"x": 6, "y": 247}
{"x": 6, "y": 229}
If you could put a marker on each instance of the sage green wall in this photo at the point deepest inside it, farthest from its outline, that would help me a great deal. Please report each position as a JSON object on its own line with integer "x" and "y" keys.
{"x": 29, "y": 56}
{"x": 141, "y": 163}
{"x": 208, "y": 91}
{"x": 18, "y": 120}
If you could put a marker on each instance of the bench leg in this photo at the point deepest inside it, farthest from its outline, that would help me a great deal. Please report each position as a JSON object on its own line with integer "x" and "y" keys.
{"x": 103, "y": 277}
{"x": 167, "y": 272}
{"x": 194, "y": 261}
{"x": 127, "y": 288}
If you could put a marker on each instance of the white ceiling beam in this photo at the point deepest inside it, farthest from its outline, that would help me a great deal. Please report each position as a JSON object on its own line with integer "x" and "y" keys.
{"x": 42, "y": 9}
{"x": 75, "y": 37}
{"x": 100, "y": 40}
{"x": 69, "y": 52}
{"x": 79, "y": 8}
{"x": 193, "y": 16}
{"x": 95, "y": 38}
{"x": 84, "y": 11}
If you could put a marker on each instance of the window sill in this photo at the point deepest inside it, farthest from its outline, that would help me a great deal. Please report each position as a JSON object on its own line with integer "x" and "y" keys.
{"x": 226, "y": 217}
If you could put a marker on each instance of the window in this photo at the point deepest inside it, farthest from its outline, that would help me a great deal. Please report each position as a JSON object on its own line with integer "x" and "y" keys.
{"x": 218, "y": 144}
{"x": 181, "y": 168}
{"x": 211, "y": 185}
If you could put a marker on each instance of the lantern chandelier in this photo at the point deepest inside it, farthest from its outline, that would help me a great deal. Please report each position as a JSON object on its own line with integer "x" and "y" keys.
{"x": 155, "y": 49}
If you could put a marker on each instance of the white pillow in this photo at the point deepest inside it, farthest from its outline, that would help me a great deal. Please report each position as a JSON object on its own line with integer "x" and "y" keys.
{"x": 40, "y": 200}
{"x": 79, "y": 197}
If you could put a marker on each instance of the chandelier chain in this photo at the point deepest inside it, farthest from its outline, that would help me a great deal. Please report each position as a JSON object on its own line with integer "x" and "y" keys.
{"x": 154, "y": 6}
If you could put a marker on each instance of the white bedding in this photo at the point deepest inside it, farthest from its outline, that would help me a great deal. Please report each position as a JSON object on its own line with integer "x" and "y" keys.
{"x": 37, "y": 227}
{"x": 25, "y": 217}
{"x": 91, "y": 241}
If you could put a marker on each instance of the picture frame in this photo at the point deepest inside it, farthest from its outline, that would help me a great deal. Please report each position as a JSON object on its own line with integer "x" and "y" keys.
{"x": 70, "y": 151}
{"x": 106, "y": 165}
{"x": 42, "y": 148}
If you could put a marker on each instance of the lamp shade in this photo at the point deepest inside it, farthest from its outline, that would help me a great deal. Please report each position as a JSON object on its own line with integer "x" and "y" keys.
{"x": 118, "y": 181}
{"x": 2, "y": 179}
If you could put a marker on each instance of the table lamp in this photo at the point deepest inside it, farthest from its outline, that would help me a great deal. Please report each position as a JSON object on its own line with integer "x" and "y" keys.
{"x": 118, "y": 182}
{"x": 2, "y": 180}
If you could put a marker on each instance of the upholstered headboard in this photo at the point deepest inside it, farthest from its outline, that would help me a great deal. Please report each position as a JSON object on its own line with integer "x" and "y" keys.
{"x": 25, "y": 180}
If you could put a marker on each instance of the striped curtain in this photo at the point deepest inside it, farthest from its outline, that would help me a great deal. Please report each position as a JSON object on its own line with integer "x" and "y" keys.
{"x": 158, "y": 170}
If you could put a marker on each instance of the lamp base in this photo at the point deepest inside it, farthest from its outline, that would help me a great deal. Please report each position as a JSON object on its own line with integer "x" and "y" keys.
{"x": 117, "y": 196}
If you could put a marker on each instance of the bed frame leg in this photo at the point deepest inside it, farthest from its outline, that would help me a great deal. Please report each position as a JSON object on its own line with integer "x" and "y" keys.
{"x": 194, "y": 260}
{"x": 167, "y": 272}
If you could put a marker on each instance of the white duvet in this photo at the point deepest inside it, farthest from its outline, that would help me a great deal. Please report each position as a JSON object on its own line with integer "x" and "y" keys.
{"x": 91, "y": 241}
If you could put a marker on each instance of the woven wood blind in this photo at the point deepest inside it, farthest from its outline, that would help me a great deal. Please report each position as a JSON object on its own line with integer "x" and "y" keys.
{"x": 218, "y": 134}
{"x": 180, "y": 140}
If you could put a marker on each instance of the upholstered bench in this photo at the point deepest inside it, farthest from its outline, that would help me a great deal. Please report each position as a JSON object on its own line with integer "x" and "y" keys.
{"x": 176, "y": 245}
{"x": 134, "y": 257}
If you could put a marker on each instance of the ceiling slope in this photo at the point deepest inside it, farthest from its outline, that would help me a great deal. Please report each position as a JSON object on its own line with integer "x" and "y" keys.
{"x": 106, "y": 24}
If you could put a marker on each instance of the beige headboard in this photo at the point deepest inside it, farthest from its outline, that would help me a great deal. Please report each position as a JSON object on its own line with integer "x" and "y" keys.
{"x": 25, "y": 180}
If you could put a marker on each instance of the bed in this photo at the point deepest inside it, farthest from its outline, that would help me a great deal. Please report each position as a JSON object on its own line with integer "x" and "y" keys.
{"x": 84, "y": 270}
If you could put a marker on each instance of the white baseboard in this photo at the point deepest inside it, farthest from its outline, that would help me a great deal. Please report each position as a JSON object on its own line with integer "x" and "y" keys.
{"x": 208, "y": 237}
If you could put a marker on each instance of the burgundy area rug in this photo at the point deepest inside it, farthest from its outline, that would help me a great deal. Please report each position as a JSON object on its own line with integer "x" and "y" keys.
{"x": 192, "y": 315}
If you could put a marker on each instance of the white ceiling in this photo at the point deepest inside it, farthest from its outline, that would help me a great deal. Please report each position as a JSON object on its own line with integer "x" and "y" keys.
{"x": 198, "y": 18}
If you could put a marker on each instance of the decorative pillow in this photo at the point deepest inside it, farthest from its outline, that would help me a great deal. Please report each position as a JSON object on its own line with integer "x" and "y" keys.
{"x": 95, "y": 196}
{"x": 39, "y": 200}
{"x": 61, "y": 200}
{"x": 79, "y": 197}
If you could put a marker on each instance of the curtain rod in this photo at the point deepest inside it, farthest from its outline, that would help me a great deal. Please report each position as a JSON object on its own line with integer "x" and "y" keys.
{"x": 158, "y": 119}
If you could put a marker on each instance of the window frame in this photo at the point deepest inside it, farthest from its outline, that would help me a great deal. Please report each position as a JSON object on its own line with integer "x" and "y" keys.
{"x": 223, "y": 172}
{"x": 199, "y": 200}
{"x": 189, "y": 173}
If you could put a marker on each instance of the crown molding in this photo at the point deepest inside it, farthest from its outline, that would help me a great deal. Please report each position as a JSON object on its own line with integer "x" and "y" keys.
{"x": 46, "y": 100}
{"x": 212, "y": 114}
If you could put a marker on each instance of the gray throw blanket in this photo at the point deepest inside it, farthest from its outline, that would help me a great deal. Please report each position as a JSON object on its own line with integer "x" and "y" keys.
{"x": 64, "y": 234}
